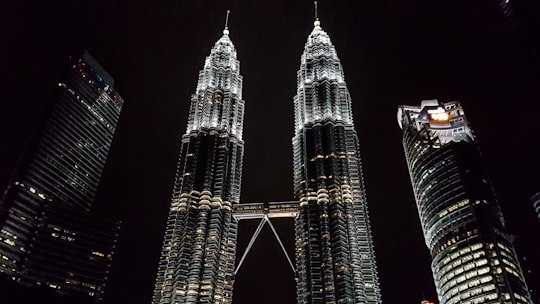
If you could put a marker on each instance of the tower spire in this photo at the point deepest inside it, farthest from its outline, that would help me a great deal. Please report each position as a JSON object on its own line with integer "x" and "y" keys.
{"x": 317, "y": 22}
{"x": 226, "y": 30}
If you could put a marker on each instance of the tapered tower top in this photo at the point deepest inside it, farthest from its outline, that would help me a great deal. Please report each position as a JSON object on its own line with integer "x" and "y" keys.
{"x": 319, "y": 47}
{"x": 217, "y": 102}
{"x": 223, "y": 46}
{"x": 319, "y": 42}
{"x": 319, "y": 66}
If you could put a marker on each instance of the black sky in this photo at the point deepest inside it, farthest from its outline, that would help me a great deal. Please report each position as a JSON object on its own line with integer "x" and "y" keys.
{"x": 393, "y": 52}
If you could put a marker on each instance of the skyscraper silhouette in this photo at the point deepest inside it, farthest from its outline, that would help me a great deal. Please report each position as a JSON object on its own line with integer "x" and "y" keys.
{"x": 334, "y": 250}
{"x": 198, "y": 255}
{"x": 48, "y": 235}
{"x": 473, "y": 260}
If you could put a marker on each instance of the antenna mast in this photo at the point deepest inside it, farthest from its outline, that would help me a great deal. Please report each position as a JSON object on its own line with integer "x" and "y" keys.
{"x": 227, "y": 20}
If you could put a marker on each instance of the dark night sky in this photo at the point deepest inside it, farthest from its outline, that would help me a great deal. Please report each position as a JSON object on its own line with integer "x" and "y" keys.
{"x": 393, "y": 52}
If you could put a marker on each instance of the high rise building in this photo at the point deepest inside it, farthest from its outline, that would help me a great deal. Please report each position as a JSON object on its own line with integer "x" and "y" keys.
{"x": 198, "y": 255}
{"x": 335, "y": 258}
{"x": 472, "y": 259}
{"x": 535, "y": 199}
{"x": 48, "y": 237}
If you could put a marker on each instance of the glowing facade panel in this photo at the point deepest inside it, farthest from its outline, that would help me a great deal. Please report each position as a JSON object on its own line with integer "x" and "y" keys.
{"x": 334, "y": 250}
{"x": 472, "y": 260}
{"x": 198, "y": 255}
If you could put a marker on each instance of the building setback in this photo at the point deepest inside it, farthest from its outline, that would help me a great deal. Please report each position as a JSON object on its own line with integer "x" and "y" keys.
{"x": 48, "y": 237}
{"x": 334, "y": 250}
{"x": 198, "y": 254}
{"x": 472, "y": 259}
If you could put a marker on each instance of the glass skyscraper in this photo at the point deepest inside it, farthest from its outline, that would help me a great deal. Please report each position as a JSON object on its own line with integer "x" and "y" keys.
{"x": 198, "y": 255}
{"x": 334, "y": 250}
{"x": 473, "y": 260}
{"x": 48, "y": 237}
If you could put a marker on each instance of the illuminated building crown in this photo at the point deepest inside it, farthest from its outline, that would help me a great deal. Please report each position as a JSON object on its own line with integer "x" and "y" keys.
{"x": 217, "y": 103}
{"x": 322, "y": 93}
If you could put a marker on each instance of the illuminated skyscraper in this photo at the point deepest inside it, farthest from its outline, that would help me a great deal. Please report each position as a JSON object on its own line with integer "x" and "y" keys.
{"x": 472, "y": 259}
{"x": 198, "y": 255}
{"x": 48, "y": 236}
{"x": 334, "y": 250}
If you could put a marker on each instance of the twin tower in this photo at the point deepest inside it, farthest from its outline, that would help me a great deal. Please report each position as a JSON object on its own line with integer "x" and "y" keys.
{"x": 473, "y": 261}
{"x": 335, "y": 260}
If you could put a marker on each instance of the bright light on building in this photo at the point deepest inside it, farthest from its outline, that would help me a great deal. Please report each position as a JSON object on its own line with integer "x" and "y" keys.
{"x": 440, "y": 116}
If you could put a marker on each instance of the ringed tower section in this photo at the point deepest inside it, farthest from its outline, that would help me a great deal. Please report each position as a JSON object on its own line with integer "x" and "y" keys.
{"x": 198, "y": 255}
{"x": 334, "y": 250}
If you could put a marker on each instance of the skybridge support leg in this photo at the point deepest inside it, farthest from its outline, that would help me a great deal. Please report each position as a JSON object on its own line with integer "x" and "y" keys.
{"x": 253, "y": 238}
{"x": 263, "y": 221}
{"x": 280, "y": 243}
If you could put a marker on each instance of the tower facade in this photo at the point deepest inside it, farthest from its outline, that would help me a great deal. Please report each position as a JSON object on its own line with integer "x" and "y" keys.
{"x": 48, "y": 236}
{"x": 472, "y": 259}
{"x": 334, "y": 250}
{"x": 198, "y": 255}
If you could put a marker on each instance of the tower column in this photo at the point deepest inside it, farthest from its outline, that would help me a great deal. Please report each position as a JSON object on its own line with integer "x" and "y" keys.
{"x": 198, "y": 255}
{"x": 334, "y": 250}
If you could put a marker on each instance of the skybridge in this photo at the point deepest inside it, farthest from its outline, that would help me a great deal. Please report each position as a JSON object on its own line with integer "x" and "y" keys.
{"x": 249, "y": 211}
{"x": 265, "y": 211}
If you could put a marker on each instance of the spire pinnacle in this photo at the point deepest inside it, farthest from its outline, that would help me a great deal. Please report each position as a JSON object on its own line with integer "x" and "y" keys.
{"x": 226, "y": 30}
{"x": 317, "y": 22}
